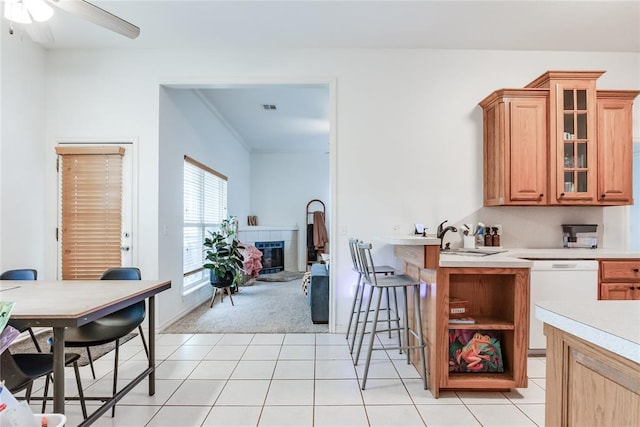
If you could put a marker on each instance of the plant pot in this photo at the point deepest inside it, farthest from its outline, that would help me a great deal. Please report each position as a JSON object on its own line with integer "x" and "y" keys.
{"x": 223, "y": 282}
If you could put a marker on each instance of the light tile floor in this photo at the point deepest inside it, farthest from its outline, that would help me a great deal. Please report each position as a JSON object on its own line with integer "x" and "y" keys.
{"x": 291, "y": 380}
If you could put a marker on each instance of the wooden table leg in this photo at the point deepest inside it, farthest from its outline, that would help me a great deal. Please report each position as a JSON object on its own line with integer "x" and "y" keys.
{"x": 58, "y": 370}
{"x": 152, "y": 345}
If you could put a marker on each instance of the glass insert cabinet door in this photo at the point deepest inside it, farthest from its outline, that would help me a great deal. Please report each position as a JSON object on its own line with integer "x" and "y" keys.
{"x": 575, "y": 141}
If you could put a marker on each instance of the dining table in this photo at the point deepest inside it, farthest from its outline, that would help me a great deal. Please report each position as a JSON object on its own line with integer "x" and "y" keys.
{"x": 73, "y": 303}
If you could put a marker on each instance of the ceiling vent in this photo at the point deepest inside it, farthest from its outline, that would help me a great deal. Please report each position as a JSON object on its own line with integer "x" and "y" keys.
{"x": 269, "y": 107}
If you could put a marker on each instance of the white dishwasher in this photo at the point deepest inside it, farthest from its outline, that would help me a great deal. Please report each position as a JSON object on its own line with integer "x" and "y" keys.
{"x": 559, "y": 280}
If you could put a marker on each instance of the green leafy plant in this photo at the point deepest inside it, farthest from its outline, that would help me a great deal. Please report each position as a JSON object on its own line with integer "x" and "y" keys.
{"x": 223, "y": 255}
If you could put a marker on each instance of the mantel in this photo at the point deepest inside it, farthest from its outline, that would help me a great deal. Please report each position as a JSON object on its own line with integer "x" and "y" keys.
{"x": 267, "y": 228}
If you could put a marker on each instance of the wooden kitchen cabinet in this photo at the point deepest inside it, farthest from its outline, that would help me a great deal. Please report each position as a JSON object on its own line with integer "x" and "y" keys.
{"x": 577, "y": 153}
{"x": 499, "y": 301}
{"x": 588, "y": 385}
{"x": 619, "y": 279}
{"x": 615, "y": 153}
{"x": 515, "y": 147}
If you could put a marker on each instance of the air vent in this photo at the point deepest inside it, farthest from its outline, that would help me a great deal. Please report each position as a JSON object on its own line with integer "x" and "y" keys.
{"x": 269, "y": 107}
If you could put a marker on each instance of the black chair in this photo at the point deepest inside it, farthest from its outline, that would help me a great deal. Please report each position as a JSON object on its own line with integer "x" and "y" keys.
{"x": 111, "y": 327}
{"x": 18, "y": 371}
{"x": 22, "y": 274}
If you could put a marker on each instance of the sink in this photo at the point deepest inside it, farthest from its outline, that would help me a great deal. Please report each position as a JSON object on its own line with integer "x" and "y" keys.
{"x": 473, "y": 252}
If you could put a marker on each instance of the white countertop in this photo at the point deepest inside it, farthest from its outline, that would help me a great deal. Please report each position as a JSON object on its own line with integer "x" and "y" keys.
{"x": 410, "y": 240}
{"x": 510, "y": 258}
{"x": 612, "y": 325}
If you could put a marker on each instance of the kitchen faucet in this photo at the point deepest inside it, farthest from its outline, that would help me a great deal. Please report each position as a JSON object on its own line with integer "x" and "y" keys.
{"x": 442, "y": 231}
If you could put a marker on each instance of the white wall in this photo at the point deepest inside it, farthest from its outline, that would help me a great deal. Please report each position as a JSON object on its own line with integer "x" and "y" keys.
{"x": 22, "y": 153}
{"x": 188, "y": 128}
{"x": 281, "y": 186}
{"x": 408, "y": 127}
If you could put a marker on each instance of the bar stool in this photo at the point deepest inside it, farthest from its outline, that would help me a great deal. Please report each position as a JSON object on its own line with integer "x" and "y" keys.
{"x": 392, "y": 283}
{"x": 356, "y": 305}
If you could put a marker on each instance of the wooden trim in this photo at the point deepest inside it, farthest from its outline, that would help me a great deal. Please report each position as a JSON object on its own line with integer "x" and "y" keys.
{"x": 204, "y": 167}
{"x": 72, "y": 149}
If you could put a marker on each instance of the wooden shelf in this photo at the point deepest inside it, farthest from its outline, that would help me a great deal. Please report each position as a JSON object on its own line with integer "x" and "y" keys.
{"x": 482, "y": 380}
{"x": 488, "y": 323}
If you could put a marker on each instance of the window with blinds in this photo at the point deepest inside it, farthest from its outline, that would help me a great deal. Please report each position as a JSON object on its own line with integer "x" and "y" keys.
{"x": 205, "y": 206}
{"x": 90, "y": 210}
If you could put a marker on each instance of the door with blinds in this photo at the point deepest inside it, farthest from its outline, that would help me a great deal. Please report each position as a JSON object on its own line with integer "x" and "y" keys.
{"x": 94, "y": 223}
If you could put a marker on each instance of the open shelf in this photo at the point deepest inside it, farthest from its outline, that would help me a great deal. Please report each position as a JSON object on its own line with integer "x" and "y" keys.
{"x": 485, "y": 322}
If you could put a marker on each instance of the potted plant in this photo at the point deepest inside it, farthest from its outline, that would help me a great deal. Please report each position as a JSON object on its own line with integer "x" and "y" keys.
{"x": 223, "y": 255}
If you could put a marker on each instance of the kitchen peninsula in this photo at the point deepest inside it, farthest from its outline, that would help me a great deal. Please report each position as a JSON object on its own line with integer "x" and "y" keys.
{"x": 498, "y": 295}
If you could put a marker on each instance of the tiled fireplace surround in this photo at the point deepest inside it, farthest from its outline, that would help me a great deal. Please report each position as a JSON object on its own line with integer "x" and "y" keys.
{"x": 253, "y": 234}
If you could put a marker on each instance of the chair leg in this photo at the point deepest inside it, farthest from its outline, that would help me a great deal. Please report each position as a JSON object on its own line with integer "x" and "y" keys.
{"x": 386, "y": 291}
{"x": 406, "y": 325}
{"x": 115, "y": 376}
{"x": 83, "y": 404}
{"x": 27, "y": 393}
{"x": 364, "y": 326}
{"x": 421, "y": 341}
{"x": 372, "y": 339}
{"x": 45, "y": 393}
{"x": 35, "y": 340}
{"x": 397, "y": 318}
{"x": 358, "y": 313}
{"x": 144, "y": 342}
{"x": 353, "y": 306}
{"x": 93, "y": 372}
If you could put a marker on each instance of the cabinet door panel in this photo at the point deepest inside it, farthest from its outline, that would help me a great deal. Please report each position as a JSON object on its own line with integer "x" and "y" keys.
{"x": 619, "y": 291}
{"x": 614, "y": 151}
{"x": 528, "y": 154}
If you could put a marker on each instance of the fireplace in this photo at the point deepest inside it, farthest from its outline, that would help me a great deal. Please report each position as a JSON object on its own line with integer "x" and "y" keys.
{"x": 272, "y": 256}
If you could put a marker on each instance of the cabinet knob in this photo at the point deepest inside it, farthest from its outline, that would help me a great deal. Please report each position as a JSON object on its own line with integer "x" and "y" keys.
{"x": 541, "y": 195}
{"x": 603, "y": 196}
{"x": 636, "y": 270}
{"x": 561, "y": 194}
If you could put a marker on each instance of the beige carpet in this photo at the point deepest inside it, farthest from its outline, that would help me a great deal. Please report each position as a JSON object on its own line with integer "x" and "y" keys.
{"x": 264, "y": 307}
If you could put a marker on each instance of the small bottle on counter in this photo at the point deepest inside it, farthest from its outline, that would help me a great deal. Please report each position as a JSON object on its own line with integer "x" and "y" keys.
{"x": 495, "y": 238}
{"x": 480, "y": 237}
{"x": 488, "y": 239}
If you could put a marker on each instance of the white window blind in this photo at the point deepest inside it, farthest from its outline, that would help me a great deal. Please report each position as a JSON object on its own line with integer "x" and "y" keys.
{"x": 205, "y": 206}
{"x": 90, "y": 210}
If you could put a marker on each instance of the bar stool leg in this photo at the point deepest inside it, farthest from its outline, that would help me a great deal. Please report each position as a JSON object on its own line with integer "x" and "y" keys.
{"x": 364, "y": 326}
{"x": 406, "y": 324}
{"x": 357, "y": 301}
{"x": 358, "y": 314}
{"x": 395, "y": 302}
{"x": 388, "y": 312}
{"x": 421, "y": 343}
{"x": 372, "y": 339}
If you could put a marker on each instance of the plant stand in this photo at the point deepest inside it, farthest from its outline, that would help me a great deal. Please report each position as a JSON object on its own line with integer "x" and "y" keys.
{"x": 221, "y": 290}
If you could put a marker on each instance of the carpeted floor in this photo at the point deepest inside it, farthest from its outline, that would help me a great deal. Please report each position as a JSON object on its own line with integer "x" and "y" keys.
{"x": 281, "y": 276}
{"x": 264, "y": 307}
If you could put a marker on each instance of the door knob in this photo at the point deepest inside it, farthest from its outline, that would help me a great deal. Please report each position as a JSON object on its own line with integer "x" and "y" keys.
{"x": 124, "y": 248}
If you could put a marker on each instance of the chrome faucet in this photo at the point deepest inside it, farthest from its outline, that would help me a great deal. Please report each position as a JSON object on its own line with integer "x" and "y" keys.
{"x": 442, "y": 231}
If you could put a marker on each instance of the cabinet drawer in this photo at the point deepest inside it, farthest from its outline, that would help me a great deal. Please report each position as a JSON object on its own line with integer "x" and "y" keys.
{"x": 620, "y": 270}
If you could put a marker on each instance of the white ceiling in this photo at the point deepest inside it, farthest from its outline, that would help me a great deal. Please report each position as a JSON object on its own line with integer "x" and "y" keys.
{"x": 301, "y": 121}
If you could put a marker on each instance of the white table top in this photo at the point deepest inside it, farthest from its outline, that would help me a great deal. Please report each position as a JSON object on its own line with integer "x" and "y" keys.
{"x": 74, "y": 302}
{"x": 613, "y": 325}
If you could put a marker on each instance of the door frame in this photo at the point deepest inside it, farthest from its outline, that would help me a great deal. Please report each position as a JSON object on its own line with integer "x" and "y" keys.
{"x": 331, "y": 82}
{"x": 130, "y": 144}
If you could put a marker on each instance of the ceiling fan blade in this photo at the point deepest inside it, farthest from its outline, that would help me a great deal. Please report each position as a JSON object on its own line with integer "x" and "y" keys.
{"x": 98, "y": 16}
{"x": 40, "y": 32}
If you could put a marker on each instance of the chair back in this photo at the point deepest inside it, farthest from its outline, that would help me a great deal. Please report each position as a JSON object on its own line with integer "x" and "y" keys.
{"x": 353, "y": 249}
{"x": 366, "y": 264}
{"x": 20, "y": 274}
{"x": 122, "y": 273}
{"x": 14, "y": 378}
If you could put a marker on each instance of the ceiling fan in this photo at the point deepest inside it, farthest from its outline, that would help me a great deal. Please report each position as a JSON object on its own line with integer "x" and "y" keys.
{"x": 36, "y": 12}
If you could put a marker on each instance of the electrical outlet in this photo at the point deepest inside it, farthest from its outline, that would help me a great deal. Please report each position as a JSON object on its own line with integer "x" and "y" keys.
{"x": 499, "y": 227}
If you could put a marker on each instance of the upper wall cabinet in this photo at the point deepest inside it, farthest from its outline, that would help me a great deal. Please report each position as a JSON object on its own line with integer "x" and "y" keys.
{"x": 558, "y": 141}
